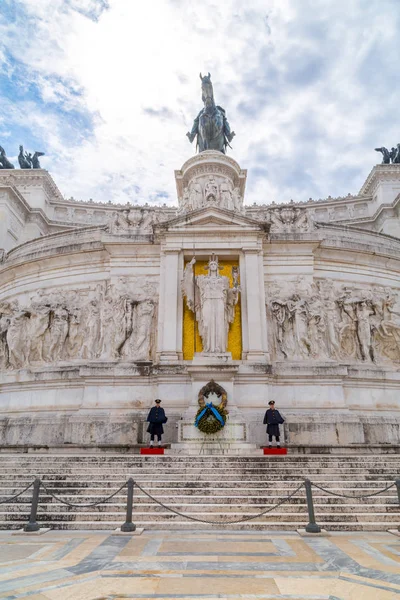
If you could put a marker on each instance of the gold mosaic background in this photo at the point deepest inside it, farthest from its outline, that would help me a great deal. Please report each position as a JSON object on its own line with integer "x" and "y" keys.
{"x": 190, "y": 324}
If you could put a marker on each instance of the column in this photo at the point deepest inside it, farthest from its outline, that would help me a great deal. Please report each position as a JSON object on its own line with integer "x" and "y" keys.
{"x": 168, "y": 315}
{"x": 255, "y": 307}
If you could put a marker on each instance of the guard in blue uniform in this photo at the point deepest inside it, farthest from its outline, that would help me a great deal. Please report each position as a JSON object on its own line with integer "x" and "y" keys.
{"x": 155, "y": 419}
{"x": 273, "y": 419}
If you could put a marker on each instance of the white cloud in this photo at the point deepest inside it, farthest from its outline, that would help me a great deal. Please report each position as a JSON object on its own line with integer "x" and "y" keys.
{"x": 294, "y": 82}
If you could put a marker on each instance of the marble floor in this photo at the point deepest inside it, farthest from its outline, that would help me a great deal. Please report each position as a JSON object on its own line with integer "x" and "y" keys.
{"x": 87, "y": 565}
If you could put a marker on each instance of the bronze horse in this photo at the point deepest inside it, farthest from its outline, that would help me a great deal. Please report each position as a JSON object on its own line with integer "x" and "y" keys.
{"x": 211, "y": 125}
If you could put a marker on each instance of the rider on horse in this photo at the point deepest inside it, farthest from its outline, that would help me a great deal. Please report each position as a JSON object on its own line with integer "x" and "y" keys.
{"x": 211, "y": 125}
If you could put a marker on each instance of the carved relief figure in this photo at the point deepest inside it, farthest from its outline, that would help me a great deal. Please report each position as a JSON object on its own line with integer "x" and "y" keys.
{"x": 237, "y": 199}
{"x": 138, "y": 344}
{"x": 57, "y": 334}
{"x": 298, "y": 308}
{"x": 211, "y": 190}
{"x": 339, "y": 323}
{"x": 75, "y": 334}
{"x": 106, "y": 322}
{"x": 226, "y": 195}
{"x": 363, "y": 314}
{"x": 106, "y": 343}
{"x": 16, "y": 338}
{"x": 212, "y": 301}
{"x": 39, "y": 323}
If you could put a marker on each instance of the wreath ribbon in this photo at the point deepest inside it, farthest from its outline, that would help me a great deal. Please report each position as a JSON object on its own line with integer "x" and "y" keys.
{"x": 214, "y": 411}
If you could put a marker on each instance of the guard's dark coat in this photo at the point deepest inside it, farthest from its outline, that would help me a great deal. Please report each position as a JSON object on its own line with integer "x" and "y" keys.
{"x": 156, "y": 418}
{"x": 273, "y": 419}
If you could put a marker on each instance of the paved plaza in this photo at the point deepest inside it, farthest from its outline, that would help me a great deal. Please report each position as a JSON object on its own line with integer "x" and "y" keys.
{"x": 83, "y": 565}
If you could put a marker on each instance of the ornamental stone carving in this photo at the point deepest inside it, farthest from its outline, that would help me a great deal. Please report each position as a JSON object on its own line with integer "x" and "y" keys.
{"x": 211, "y": 191}
{"x": 210, "y": 179}
{"x": 323, "y": 321}
{"x": 287, "y": 219}
{"x": 110, "y": 322}
{"x": 135, "y": 221}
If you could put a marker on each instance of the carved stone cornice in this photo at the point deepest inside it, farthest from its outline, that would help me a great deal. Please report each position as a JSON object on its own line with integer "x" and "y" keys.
{"x": 32, "y": 177}
{"x": 389, "y": 208}
{"x": 380, "y": 173}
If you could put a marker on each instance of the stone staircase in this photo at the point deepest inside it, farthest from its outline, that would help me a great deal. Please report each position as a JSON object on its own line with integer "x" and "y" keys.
{"x": 207, "y": 487}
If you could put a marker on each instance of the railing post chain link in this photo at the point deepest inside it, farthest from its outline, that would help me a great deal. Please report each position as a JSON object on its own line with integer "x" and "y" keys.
{"x": 312, "y": 526}
{"x": 128, "y": 525}
{"x": 32, "y": 524}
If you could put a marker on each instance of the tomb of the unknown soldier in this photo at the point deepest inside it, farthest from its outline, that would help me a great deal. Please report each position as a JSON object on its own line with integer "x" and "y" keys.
{"x": 199, "y": 300}
{"x": 142, "y": 345}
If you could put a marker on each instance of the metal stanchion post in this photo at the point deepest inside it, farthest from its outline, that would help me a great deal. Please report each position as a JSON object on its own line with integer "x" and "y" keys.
{"x": 312, "y": 526}
{"x": 128, "y": 525}
{"x": 398, "y": 495}
{"x": 32, "y": 525}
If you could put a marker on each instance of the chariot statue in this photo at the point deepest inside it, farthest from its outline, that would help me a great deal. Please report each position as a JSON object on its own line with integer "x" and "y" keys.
{"x": 211, "y": 126}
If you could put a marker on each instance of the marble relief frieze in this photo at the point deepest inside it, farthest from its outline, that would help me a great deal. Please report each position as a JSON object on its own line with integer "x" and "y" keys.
{"x": 323, "y": 320}
{"x": 112, "y": 321}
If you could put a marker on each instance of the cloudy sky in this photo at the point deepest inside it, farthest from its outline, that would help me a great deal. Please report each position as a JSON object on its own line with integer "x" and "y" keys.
{"x": 108, "y": 88}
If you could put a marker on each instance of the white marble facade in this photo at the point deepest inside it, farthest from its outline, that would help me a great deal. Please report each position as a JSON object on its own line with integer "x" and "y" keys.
{"x": 91, "y": 310}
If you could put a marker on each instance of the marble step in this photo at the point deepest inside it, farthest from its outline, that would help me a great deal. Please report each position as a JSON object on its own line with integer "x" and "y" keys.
{"x": 391, "y": 510}
{"x": 225, "y": 488}
{"x": 166, "y": 518}
{"x": 186, "y": 486}
{"x": 196, "y": 500}
{"x": 205, "y": 473}
{"x": 196, "y": 466}
{"x": 198, "y": 460}
{"x": 277, "y": 525}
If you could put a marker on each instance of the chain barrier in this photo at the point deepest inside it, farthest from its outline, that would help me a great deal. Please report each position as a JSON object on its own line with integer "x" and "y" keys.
{"x": 312, "y": 526}
{"x": 248, "y": 518}
{"x": 82, "y": 505}
{"x": 353, "y": 497}
{"x": 16, "y": 495}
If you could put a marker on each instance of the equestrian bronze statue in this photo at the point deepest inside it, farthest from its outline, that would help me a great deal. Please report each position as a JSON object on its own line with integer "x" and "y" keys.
{"x": 211, "y": 125}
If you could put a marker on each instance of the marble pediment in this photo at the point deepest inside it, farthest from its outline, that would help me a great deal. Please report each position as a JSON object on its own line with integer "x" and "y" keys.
{"x": 212, "y": 219}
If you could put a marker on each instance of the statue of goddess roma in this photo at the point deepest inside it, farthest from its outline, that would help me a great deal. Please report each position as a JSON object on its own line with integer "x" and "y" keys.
{"x": 213, "y": 302}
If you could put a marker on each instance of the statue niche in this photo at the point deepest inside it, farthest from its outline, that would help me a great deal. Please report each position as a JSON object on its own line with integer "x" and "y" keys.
{"x": 213, "y": 302}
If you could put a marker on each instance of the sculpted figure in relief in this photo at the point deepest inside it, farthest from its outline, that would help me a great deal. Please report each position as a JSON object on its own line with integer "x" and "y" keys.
{"x": 331, "y": 317}
{"x": 138, "y": 343}
{"x": 107, "y": 322}
{"x": 213, "y": 302}
{"x": 339, "y": 323}
{"x": 211, "y": 190}
{"x": 75, "y": 334}
{"x": 237, "y": 200}
{"x": 363, "y": 314}
{"x": 226, "y": 195}
{"x": 16, "y": 338}
{"x": 39, "y": 323}
{"x": 195, "y": 195}
{"x": 56, "y": 334}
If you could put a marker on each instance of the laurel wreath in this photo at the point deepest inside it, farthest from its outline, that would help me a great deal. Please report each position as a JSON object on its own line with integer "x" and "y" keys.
{"x": 208, "y": 424}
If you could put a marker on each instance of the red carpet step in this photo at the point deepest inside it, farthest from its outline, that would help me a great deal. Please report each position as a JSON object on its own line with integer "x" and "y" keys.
{"x": 281, "y": 451}
{"x": 151, "y": 450}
